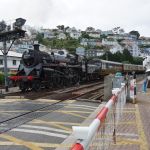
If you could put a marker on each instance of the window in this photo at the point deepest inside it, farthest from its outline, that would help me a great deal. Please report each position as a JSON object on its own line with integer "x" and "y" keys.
{"x": 14, "y": 62}
{"x": 1, "y": 61}
{"x": 61, "y": 52}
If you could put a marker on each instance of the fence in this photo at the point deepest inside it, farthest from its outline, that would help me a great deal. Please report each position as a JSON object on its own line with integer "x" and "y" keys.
{"x": 101, "y": 132}
{"x": 108, "y": 86}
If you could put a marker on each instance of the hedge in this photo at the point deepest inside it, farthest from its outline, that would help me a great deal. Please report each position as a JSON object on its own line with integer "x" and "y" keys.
{"x": 2, "y": 78}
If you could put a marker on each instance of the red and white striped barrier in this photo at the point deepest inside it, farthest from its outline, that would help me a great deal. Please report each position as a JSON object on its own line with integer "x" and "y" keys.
{"x": 84, "y": 135}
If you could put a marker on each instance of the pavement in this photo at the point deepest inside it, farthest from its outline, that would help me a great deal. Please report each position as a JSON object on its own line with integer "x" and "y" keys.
{"x": 133, "y": 132}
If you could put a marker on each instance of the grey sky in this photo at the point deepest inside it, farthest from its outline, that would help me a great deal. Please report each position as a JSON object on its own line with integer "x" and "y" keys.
{"x": 102, "y": 14}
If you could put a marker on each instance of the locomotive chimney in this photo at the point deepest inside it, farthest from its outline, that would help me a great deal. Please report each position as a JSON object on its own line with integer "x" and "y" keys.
{"x": 36, "y": 47}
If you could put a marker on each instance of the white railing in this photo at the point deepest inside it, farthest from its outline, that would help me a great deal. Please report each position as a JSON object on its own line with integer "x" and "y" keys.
{"x": 101, "y": 132}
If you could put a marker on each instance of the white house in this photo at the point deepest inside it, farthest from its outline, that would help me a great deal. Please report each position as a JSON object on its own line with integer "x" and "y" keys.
{"x": 109, "y": 42}
{"x": 75, "y": 34}
{"x": 48, "y": 33}
{"x": 13, "y": 61}
{"x": 124, "y": 36}
{"x": 115, "y": 48}
{"x": 94, "y": 53}
{"x": 61, "y": 36}
{"x": 143, "y": 42}
{"x": 132, "y": 46}
{"x": 94, "y": 34}
{"x": 84, "y": 42}
{"x": 22, "y": 47}
{"x": 135, "y": 50}
{"x": 109, "y": 32}
{"x": 68, "y": 30}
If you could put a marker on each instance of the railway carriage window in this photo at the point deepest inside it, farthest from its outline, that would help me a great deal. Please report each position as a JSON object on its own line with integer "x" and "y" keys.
{"x": 104, "y": 66}
{"x": 61, "y": 52}
{"x": 108, "y": 66}
{"x": 1, "y": 61}
{"x": 14, "y": 62}
{"x": 111, "y": 66}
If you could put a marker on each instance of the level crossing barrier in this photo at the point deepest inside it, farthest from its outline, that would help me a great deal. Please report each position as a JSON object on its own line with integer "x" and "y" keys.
{"x": 101, "y": 132}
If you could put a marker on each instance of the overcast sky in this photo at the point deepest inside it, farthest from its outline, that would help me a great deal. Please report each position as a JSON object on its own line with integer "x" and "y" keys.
{"x": 101, "y": 14}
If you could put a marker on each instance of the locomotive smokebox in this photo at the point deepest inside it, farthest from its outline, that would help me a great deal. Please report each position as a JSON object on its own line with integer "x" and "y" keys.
{"x": 36, "y": 47}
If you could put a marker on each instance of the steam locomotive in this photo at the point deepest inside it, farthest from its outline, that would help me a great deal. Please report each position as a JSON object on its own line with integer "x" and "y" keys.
{"x": 40, "y": 69}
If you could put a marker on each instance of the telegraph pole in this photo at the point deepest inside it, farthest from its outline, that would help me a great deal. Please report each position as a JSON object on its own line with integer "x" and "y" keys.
{"x": 6, "y": 34}
{"x": 5, "y": 66}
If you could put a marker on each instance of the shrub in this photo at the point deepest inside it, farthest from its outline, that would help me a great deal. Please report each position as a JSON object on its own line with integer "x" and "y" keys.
{"x": 1, "y": 78}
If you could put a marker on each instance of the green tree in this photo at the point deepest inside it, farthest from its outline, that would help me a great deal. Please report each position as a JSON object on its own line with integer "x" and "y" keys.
{"x": 39, "y": 37}
{"x": 138, "y": 60}
{"x": 103, "y": 36}
{"x": 117, "y": 57}
{"x": 66, "y": 28}
{"x": 61, "y": 27}
{"x": 127, "y": 56}
{"x": 135, "y": 33}
{"x": 85, "y": 35}
{"x": 107, "y": 56}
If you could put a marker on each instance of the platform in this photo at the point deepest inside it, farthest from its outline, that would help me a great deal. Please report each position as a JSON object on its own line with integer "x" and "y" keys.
{"x": 133, "y": 132}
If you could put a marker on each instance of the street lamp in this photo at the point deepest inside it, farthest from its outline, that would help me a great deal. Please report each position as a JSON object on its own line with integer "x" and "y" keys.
{"x": 8, "y": 34}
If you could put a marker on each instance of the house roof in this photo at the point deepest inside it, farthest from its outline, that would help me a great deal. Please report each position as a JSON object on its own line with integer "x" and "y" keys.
{"x": 12, "y": 54}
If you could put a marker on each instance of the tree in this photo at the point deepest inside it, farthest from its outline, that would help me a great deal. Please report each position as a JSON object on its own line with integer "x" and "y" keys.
{"x": 117, "y": 57}
{"x": 107, "y": 56}
{"x": 103, "y": 36}
{"x": 138, "y": 60}
{"x": 39, "y": 37}
{"x": 135, "y": 33}
{"x": 61, "y": 27}
{"x": 127, "y": 56}
{"x": 85, "y": 35}
{"x": 66, "y": 28}
{"x": 2, "y": 25}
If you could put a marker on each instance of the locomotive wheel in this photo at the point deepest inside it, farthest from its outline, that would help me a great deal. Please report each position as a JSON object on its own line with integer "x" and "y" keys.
{"x": 66, "y": 82}
{"x": 23, "y": 86}
{"x": 56, "y": 80}
{"x": 69, "y": 74}
{"x": 36, "y": 85}
{"x": 76, "y": 78}
{"x": 47, "y": 86}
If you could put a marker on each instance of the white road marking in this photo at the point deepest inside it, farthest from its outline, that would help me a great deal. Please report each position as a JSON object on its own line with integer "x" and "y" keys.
{"x": 44, "y": 128}
{"x": 41, "y": 132}
{"x": 78, "y": 105}
{"x": 128, "y": 134}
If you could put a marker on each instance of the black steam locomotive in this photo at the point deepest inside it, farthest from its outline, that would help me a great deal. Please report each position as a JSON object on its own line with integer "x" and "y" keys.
{"x": 40, "y": 69}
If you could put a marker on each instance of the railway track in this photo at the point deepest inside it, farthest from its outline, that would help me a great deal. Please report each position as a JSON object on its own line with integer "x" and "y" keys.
{"x": 45, "y": 92}
{"x": 38, "y": 111}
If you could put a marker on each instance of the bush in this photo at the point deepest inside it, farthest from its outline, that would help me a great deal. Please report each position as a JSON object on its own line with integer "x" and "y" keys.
{"x": 1, "y": 78}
